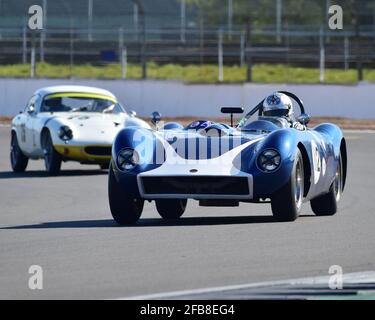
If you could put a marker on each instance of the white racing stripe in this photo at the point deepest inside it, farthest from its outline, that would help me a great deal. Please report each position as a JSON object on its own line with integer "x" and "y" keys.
{"x": 349, "y": 278}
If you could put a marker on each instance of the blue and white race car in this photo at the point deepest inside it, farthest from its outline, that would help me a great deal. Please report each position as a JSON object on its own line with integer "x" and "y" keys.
{"x": 270, "y": 156}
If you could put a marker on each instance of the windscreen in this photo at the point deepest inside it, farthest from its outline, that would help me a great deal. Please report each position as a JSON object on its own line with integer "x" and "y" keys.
{"x": 80, "y": 103}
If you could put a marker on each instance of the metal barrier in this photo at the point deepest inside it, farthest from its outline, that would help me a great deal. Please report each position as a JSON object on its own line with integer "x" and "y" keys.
{"x": 297, "y": 46}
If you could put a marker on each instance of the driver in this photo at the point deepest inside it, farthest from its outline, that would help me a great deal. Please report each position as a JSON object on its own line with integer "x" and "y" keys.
{"x": 280, "y": 105}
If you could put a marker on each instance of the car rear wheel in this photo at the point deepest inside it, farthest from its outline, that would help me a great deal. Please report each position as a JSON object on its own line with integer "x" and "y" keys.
{"x": 326, "y": 205}
{"x": 286, "y": 203}
{"x": 171, "y": 209}
{"x": 125, "y": 210}
{"x": 52, "y": 159}
{"x": 17, "y": 159}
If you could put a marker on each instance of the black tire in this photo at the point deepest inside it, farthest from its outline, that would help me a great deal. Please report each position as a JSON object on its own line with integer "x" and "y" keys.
{"x": 287, "y": 202}
{"x": 18, "y": 160}
{"x": 171, "y": 209}
{"x": 104, "y": 166}
{"x": 52, "y": 159}
{"x": 124, "y": 210}
{"x": 326, "y": 204}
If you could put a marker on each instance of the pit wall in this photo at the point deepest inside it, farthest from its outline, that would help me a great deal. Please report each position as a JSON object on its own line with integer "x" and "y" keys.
{"x": 177, "y": 99}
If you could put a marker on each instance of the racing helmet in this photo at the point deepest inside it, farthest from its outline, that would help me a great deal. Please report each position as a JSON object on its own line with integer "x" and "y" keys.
{"x": 278, "y": 105}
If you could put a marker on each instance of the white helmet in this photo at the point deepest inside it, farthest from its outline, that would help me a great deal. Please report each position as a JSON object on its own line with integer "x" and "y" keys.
{"x": 277, "y": 105}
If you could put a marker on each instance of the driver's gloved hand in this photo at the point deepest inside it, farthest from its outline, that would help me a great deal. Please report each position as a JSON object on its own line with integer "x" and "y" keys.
{"x": 298, "y": 126}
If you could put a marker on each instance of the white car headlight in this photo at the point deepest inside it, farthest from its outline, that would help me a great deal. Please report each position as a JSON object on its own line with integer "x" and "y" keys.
{"x": 269, "y": 160}
{"x": 127, "y": 159}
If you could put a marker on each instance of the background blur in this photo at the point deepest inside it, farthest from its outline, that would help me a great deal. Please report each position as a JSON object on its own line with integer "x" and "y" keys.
{"x": 209, "y": 53}
{"x": 191, "y": 40}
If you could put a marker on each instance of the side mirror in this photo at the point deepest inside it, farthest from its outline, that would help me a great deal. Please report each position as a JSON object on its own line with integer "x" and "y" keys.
{"x": 304, "y": 119}
{"x": 132, "y": 113}
{"x": 30, "y": 109}
{"x": 231, "y": 111}
{"x": 156, "y": 117}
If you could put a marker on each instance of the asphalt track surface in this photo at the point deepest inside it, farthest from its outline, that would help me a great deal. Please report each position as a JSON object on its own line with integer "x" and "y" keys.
{"x": 64, "y": 225}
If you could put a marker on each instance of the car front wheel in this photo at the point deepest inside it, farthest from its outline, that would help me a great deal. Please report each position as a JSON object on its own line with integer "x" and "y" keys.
{"x": 17, "y": 159}
{"x": 125, "y": 210}
{"x": 171, "y": 209}
{"x": 286, "y": 203}
{"x": 52, "y": 159}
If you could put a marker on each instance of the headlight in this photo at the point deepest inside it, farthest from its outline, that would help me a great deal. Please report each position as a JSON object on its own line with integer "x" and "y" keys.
{"x": 65, "y": 133}
{"x": 127, "y": 159}
{"x": 269, "y": 160}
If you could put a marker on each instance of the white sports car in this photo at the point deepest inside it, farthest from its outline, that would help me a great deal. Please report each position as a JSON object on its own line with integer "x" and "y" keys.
{"x": 64, "y": 123}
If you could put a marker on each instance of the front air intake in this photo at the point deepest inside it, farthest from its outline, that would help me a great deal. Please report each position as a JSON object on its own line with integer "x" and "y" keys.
{"x": 98, "y": 151}
{"x": 206, "y": 185}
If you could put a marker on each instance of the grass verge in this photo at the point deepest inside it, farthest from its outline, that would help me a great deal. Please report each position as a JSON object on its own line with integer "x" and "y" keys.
{"x": 262, "y": 73}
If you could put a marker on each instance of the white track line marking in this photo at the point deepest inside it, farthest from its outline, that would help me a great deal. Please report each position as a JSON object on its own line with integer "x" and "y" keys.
{"x": 7, "y": 125}
{"x": 358, "y": 131}
{"x": 4, "y": 125}
{"x": 356, "y": 277}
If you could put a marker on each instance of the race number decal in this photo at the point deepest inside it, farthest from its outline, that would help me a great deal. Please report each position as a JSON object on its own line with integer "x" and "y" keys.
{"x": 317, "y": 162}
{"x": 324, "y": 167}
{"x": 23, "y": 132}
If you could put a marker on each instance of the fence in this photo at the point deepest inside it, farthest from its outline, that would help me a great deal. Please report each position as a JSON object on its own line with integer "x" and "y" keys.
{"x": 223, "y": 32}
{"x": 296, "y": 46}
